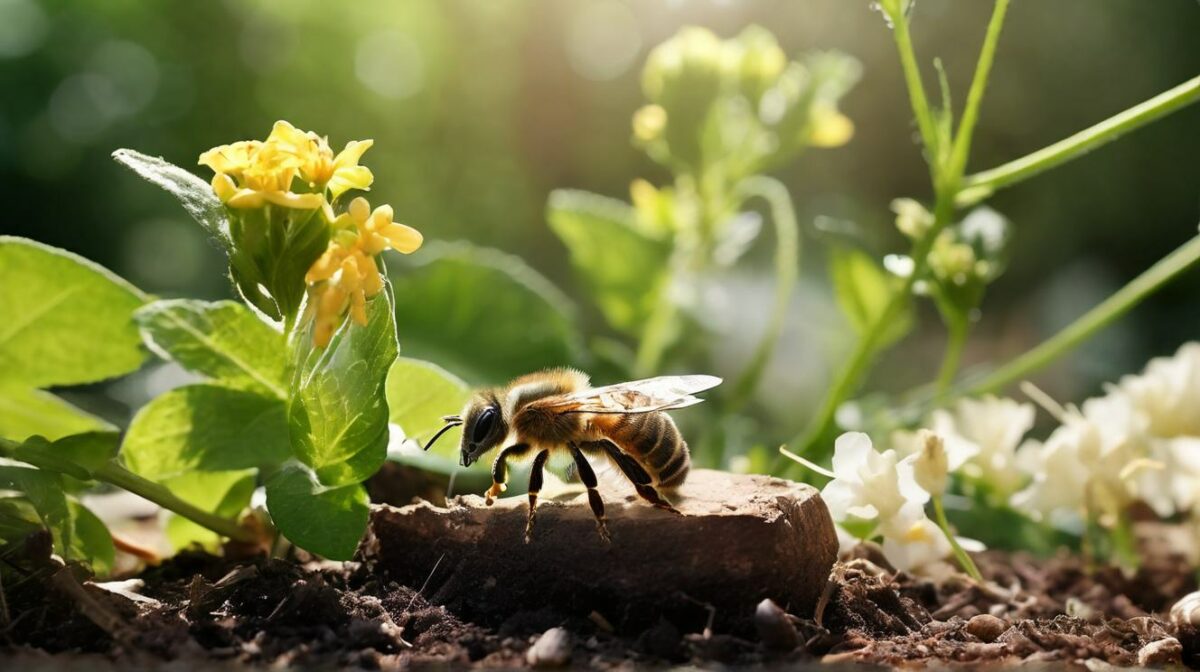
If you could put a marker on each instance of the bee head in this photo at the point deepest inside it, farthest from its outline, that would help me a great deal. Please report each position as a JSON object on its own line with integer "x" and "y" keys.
{"x": 483, "y": 428}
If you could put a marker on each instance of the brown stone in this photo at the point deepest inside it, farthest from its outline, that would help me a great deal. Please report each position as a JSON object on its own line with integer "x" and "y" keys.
{"x": 741, "y": 539}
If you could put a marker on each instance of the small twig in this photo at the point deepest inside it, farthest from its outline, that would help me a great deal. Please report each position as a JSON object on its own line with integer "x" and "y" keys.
{"x": 424, "y": 585}
{"x": 712, "y": 613}
{"x": 831, "y": 582}
{"x": 90, "y": 607}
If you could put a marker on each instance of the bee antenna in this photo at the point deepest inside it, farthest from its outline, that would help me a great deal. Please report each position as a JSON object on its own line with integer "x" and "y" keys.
{"x": 450, "y": 424}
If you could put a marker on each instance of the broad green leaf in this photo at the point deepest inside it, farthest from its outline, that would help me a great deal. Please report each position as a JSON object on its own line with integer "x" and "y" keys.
{"x": 224, "y": 493}
{"x": 481, "y": 313}
{"x": 44, "y": 491}
{"x": 323, "y": 520}
{"x": 25, "y": 412}
{"x": 18, "y": 519}
{"x": 419, "y": 393}
{"x": 863, "y": 290}
{"x": 222, "y": 340}
{"x": 91, "y": 542}
{"x": 624, "y": 268}
{"x": 338, "y": 418}
{"x": 63, "y": 319}
{"x": 77, "y": 456}
{"x": 206, "y": 427}
{"x": 194, "y": 194}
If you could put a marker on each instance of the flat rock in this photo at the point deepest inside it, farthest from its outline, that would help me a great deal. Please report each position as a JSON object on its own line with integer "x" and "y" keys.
{"x": 741, "y": 539}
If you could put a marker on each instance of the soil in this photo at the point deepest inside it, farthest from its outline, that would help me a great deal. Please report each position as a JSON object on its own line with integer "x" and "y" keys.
{"x": 202, "y": 611}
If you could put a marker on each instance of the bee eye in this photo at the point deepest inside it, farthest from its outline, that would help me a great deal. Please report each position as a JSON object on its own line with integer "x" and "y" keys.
{"x": 483, "y": 426}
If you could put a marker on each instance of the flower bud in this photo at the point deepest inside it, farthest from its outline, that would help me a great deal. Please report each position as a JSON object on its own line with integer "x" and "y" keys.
{"x": 912, "y": 219}
{"x": 932, "y": 467}
{"x": 756, "y": 61}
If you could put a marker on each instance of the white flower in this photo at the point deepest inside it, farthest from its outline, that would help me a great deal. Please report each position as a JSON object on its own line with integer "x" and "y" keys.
{"x": 988, "y": 431}
{"x": 867, "y": 484}
{"x": 912, "y": 541}
{"x": 1085, "y": 465}
{"x": 1168, "y": 393}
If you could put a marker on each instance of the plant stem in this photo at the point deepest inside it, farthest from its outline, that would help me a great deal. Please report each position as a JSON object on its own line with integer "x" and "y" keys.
{"x": 956, "y": 340}
{"x": 912, "y": 80}
{"x": 983, "y": 69}
{"x": 964, "y": 560}
{"x": 1084, "y": 327}
{"x": 121, "y": 477}
{"x": 656, "y": 336}
{"x": 981, "y": 185}
{"x": 787, "y": 262}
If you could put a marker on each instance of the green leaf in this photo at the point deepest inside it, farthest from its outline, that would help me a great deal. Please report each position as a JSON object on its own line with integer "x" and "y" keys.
{"x": 481, "y": 313}
{"x": 194, "y": 194}
{"x": 225, "y": 493}
{"x": 419, "y": 393}
{"x": 63, "y": 319}
{"x": 863, "y": 290}
{"x": 338, "y": 418}
{"x": 624, "y": 268}
{"x": 222, "y": 340}
{"x": 44, "y": 491}
{"x": 91, "y": 541}
{"x": 206, "y": 427}
{"x": 25, "y": 412}
{"x": 77, "y": 456}
{"x": 323, "y": 520}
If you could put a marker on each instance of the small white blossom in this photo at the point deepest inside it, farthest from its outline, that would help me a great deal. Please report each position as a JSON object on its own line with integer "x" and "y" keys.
{"x": 931, "y": 468}
{"x": 1083, "y": 467}
{"x": 988, "y": 431}
{"x": 867, "y": 484}
{"x": 913, "y": 541}
{"x": 1168, "y": 393}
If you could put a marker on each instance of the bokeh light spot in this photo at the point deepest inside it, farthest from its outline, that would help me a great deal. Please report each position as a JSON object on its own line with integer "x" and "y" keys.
{"x": 23, "y": 26}
{"x": 391, "y": 64}
{"x": 603, "y": 40}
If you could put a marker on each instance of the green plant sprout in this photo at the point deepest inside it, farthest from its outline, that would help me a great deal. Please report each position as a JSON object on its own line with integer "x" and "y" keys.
{"x": 946, "y": 150}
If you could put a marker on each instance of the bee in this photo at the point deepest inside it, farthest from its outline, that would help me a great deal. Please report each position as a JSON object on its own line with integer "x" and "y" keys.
{"x": 558, "y": 410}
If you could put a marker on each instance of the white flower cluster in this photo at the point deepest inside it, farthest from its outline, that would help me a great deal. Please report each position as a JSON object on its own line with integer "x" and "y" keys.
{"x": 1139, "y": 441}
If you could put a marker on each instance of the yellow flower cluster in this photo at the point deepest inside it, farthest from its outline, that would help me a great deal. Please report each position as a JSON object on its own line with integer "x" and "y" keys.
{"x": 250, "y": 173}
{"x": 346, "y": 275}
{"x": 297, "y": 169}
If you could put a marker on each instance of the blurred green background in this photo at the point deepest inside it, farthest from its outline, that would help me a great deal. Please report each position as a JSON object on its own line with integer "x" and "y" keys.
{"x": 480, "y": 108}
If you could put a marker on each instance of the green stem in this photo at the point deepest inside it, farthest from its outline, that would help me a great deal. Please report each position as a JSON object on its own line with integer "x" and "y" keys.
{"x": 983, "y": 69}
{"x": 121, "y": 477}
{"x": 787, "y": 262}
{"x": 912, "y": 80}
{"x": 964, "y": 560}
{"x": 956, "y": 340}
{"x": 1084, "y": 327}
{"x": 981, "y": 185}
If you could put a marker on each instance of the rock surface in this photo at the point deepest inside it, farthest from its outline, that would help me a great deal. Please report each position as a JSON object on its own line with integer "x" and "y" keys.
{"x": 741, "y": 539}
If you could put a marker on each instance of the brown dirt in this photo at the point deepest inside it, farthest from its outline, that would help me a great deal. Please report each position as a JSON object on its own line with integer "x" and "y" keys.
{"x": 216, "y": 612}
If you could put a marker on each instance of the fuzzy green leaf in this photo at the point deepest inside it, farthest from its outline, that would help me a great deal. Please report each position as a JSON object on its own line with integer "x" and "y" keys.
{"x": 63, "y": 319}
{"x": 194, "y": 194}
{"x": 91, "y": 542}
{"x": 419, "y": 393}
{"x": 206, "y": 427}
{"x": 222, "y": 340}
{"x": 323, "y": 520}
{"x": 623, "y": 267}
{"x": 481, "y": 313}
{"x": 44, "y": 491}
{"x": 338, "y": 418}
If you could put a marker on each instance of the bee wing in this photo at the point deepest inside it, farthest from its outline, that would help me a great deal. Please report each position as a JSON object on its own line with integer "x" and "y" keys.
{"x": 638, "y": 396}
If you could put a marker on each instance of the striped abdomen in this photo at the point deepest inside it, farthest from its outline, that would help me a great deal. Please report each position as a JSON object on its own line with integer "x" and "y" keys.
{"x": 654, "y": 441}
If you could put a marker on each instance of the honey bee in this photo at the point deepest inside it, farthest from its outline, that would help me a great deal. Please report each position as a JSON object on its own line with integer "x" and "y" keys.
{"x": 558, "y": 410}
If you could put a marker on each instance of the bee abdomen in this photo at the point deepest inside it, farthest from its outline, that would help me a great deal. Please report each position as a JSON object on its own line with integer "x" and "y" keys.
{"x": 655, "y": 442}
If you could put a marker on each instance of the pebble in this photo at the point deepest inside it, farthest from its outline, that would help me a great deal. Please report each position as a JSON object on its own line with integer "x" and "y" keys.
{"x": 1167, "y": 651}
{"x": 1187, "y": 610}
{"x": 552, "y": 649}
{"x": 775, "y": 629}
{"x": 986, "y": 627}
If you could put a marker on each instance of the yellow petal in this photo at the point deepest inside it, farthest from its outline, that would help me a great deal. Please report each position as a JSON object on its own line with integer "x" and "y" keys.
{"x": 352, "y": 154}
{"x": 224, "y": 187}
{"x": 232, "y": 158}
{"x": 246, "y": 198}
{"x": 350, "y": 177}
{"x": 404, "y": 239}
{"x": 358, "y": 307}
{"x": 325, "y": 266}
{"x": 359, "y": 210}
{"x": 372, "y": 281}
{"x": 288, "y": 199}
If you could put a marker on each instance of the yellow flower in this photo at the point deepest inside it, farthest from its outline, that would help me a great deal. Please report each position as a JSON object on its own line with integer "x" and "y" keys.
{"x": 231, "y": 159}
{"x": 318, "y": 166}
{"x": 250, "y": 174}
{"x": 346, "y": 275}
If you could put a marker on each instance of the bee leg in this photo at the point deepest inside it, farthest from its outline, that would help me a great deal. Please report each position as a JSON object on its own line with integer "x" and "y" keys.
{"x": 589, "y": 480}
{"x": 500, "y": 470}
{"x": 535, "y": 485}
{"x": 637, "y": 474}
